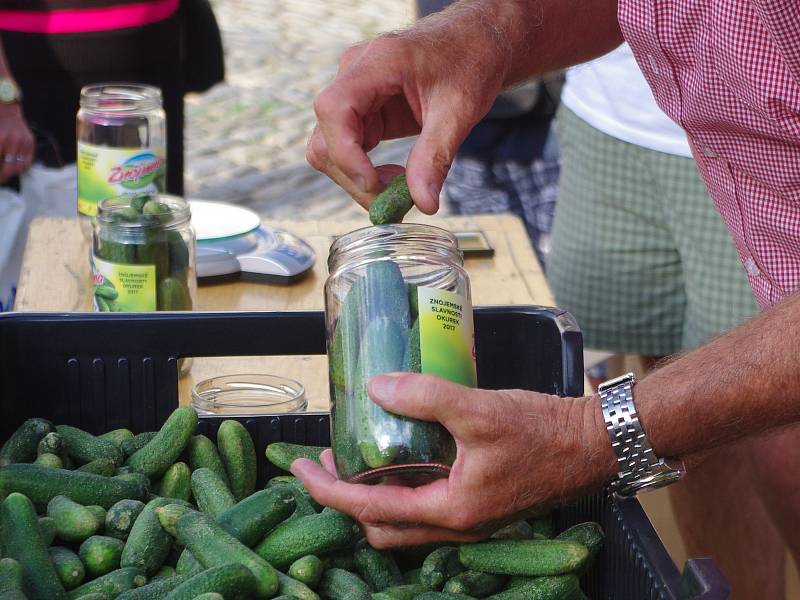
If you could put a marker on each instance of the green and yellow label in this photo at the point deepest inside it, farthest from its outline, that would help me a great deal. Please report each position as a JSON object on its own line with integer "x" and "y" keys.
{"x": 447, "y": 336}
{"x": 123, "y": 288}
{"x": 109, "y": 172}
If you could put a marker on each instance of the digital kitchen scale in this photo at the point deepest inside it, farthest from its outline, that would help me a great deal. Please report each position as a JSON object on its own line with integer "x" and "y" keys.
{"x": 232, "y": 244}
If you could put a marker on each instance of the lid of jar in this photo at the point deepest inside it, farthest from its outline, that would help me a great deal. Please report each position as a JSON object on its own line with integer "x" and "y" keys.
{"x": 248, "y": 394}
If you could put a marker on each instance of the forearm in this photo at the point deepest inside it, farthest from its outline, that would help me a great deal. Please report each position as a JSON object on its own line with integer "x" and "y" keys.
{"x": 532, "y": 37}
{"x": 743, "y": 383}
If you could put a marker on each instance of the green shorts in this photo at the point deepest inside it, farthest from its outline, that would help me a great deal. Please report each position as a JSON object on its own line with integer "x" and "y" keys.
{"x": 639, "y": 254}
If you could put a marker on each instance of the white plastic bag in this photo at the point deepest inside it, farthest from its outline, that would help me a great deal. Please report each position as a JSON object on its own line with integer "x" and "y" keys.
{"x": 43, "y": 192}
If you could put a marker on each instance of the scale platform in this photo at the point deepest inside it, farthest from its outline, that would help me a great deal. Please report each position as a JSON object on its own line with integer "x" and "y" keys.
{"x": 232, "y": 244}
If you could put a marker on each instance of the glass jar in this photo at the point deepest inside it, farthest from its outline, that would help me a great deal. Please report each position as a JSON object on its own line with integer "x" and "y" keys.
{"x": 397, "y": 298}
{"x": 248, "y": 395}
{"x": 143, "y": 254}
{"x": 121, "y": 137}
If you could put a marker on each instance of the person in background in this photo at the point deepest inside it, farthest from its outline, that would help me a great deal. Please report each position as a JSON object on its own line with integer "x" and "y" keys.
{"x": 509, "y": 161}
{"x": 641, "y": 257}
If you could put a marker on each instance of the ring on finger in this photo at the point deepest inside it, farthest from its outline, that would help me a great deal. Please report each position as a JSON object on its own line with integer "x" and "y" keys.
{"x": 10, "y": 159}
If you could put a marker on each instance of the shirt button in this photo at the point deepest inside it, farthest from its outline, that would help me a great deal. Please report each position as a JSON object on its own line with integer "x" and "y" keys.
{"x": 751, "y": 267}
{"x": 707, "y": 151}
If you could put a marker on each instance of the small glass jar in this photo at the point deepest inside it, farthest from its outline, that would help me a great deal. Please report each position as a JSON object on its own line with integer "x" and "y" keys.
{"x": 122, "y": 140}
{"x": 143, "y": 254}
{"x": 248, "y": 395}
{"x": 397, "y": 298}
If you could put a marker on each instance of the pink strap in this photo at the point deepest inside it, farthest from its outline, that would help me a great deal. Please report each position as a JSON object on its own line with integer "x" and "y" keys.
{"x": 81, "y": 20}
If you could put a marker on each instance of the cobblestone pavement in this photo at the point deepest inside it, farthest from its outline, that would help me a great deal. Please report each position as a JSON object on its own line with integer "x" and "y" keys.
{"x": 245, "y": 138}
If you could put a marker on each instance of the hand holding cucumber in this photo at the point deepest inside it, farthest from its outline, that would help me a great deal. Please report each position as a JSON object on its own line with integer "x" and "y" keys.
{"x": 517, "y": 451}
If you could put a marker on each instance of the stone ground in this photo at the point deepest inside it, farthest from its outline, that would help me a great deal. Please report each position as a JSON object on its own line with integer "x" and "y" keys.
{"x": 245, "y": 138}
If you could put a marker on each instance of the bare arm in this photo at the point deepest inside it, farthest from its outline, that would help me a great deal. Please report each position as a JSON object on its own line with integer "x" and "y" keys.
{"x": 16, "y": 140}
{"x": 438, "y": 78}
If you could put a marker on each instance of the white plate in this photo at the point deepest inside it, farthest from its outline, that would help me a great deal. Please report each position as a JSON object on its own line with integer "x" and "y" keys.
{"x": 216, "y": 221}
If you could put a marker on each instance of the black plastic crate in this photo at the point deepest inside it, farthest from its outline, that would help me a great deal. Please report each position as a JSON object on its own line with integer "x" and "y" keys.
{"x": 101, "y": 372}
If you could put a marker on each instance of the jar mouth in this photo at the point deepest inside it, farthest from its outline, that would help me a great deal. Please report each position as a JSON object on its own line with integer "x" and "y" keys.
{"x": 119, "y": 212}
{"x": 120, "y": 98}
{"x": 382, "y": 241}
{"x": 249, "y": 394}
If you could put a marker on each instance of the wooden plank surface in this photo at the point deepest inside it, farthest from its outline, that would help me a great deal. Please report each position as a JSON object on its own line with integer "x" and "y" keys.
{"x": 55, "y": 277}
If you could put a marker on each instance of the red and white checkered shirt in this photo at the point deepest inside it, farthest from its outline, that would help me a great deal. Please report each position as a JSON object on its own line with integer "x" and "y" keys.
{"x": 728, "y": 71}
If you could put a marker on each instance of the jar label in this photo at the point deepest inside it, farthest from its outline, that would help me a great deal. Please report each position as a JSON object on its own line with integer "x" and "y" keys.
{"x": 105, "y": 172}
{"x": 120, "y": 287}
{"x": 447, "y": 336}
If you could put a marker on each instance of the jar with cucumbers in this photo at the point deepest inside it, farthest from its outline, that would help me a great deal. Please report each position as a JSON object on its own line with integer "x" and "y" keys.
{"x": 143, "y": 254}
{"x": 397, "y": 299}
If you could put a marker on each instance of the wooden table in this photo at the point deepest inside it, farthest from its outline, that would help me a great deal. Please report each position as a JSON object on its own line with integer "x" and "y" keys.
{"x": 55, "y": 277}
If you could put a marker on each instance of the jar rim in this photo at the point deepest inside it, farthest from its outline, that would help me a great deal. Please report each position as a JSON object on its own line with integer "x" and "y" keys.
{"x": 378, "y": 239}
{"x": 120, "y": 98}
{"x": 109, "y": 212}
{"x": 263, "y": 393}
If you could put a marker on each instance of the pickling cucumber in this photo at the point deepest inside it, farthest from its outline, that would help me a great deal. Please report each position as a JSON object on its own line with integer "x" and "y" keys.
{"x": 239, "y": 457}
{"x": 21, "y": 446}
{"x": 165, "y": 448}
{"x": 68, "y": 565}
{"x": 176, "y": 482}
{"x": 338, "y": 584}
{"x": 392, "y": 204}
{"x": 100, "y": 554}
{"x": 377, "y": 568}
{"x": 83, "y": 447}
{"x": 283, "y": 454}
{"x": 211, "y": 494}
{"x": 524, "y": 557}
{"x": 203, "y": 453}
{"x": 230, "y": 580}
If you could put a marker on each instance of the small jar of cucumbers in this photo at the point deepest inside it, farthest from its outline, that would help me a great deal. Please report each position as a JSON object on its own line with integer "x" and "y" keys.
{"x": 143, "y": 254}
{"x": 397, "y": 299}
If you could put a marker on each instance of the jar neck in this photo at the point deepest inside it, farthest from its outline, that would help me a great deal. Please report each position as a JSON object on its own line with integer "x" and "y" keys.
{"x": 119, "y": 214}
{"x": 400, "y": 242}
{"x": 120, "y": 99}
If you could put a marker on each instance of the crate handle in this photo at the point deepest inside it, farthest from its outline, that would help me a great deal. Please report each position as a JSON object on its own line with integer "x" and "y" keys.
{"x": 702, "y": 580}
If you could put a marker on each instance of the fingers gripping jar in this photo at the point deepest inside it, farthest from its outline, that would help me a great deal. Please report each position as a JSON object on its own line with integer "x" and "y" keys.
{"x": 397, "y": 299}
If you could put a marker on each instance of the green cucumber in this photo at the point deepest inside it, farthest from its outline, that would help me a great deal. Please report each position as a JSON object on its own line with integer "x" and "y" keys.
{"x": 41, "y": 485}
{"x": 283, "y": 454}
{"x": 238, "y": 456}
{"x": 100, "y": 554}
{"x": 112, "y": 584}
{"x": 106, "y": 291}
{"x": 289, "y": 586}
{"x": 346, "y": 340}
{"x": 74, "y": 522}
{"x": 176, "y": 482}
{"x": 148, "y": 544}
{"x": 173, "y": 295}
{"x": 100, "y": 466}
{"x": 386, "y": 294}
{"x": 99, "y": 513}
{"x": 307, "y": 570}
{"x": 51, "y": 461}
{"x": 475, "y": 583}
{"x": 439, "y": 566}
{"x": 52, "y": 443}
{"x": 203, "y": 453}
{"x": 211, "y": 494}
{"x": 154, "y": 252}
{"x": 188, "y": 565}
{"x": 118, "y": 436}
{"x": 590, "y": 534}
{"x": 21, "y": 446}
{"x": 565, "y": 587}
{"x": 431, "y": 595}
{"x": 413, "y": 301}
{"x": 164, "y": 572}
{"x": 168, "y": 516}
{"x": 339, "y": 559}
{"x": 312, "y": 534}
{"x": 121, "y": 517}
{"x": 338, "y": 584}
{"x": 251, "y": 519}
{"x": 213, "y": 596}
{"x": 68, "y": 565}
{"x": 156, "y": 589}
{"x": 47, "y": 530}
{"x": 213, "y": 546}
{"x": 138, "y": 442}
{"x": 392, "y": 204}
{"x": 544, "y": 526}
{"x": 518, "y": 530}
{"x": 524, "y": 557}
{"x": 11, "y": 580}
{"x": 167, "y": 445}
{"x": 22, "y": 542}
{"x": 346, "y": 452}
{"x": 377, "y": 568}
{"x": 412, "y": 359}
{"x": 401, "y": 592}
{"x": 179, "y": 255}
{"x": 231, "y": 580}
{"x": 116, "y": 252}
{"x": 83, "y": 447}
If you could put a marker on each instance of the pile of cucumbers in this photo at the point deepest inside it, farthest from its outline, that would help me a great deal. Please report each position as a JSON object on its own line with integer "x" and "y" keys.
{"x": 173, "y": 515}
{"x": 137, "y": 236}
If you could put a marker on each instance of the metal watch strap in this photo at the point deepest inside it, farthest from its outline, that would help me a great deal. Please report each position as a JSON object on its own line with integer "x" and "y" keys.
{"x": 639, "y": 467}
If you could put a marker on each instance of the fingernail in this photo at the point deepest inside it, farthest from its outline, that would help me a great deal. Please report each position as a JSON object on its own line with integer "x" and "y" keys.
{"x": 383, "y": 387}
{"x": 360, "y": 183}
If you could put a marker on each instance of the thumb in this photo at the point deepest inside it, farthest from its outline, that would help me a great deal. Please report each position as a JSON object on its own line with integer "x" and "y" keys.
{"x": 443, "y": 130}
{"x": 430, "y": 398}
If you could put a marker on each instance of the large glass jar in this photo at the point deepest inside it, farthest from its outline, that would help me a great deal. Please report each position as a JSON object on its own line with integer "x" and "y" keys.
{"x": 143, "y": 254}
{"x": 397, "y": 299}
{"x": 122, "y": 139}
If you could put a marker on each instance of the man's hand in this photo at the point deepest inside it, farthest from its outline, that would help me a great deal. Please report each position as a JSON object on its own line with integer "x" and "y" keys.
{"x": 516, "y": 451}
{"x": 436, "y": 80}
{"x": 16, "y": 142}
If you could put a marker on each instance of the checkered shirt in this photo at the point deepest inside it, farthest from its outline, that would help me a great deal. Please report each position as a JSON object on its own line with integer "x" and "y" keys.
{"x": 728, "y": 71}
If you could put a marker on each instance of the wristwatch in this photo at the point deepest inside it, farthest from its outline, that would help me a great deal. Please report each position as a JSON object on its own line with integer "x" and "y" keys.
{"x": 639, "y": 467}
{"x": 9, "y": 91}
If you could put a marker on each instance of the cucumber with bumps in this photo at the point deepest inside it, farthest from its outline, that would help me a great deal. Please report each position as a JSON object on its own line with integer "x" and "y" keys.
{"x": 239, "y": 457}
{"x": 283, "y": 454}
{"x": 112, "y": 584}
{"x": 100, "y": 554}
{"x": 167, "y": 445}
{"x": 203, "y": 453}
{"x": 251, "y": 519}
{"x": 392, "y": 204}
{"x": 524, "y": 557}
{"x": 74, "y": 522}
{"x": 475, "y": 583}
{"x": 212, "y": 495}
{"x": 148, "y": 544}
{"x": 68, "y": 565}
{"x": 377, "y": 568}
{"x": 121, "y": 517}
{"x": 21, "y": 446}
{"x": 230, "y": 580}
{"x": 83, "y": 447}
{"x": 176, "y": 482}
{"x": 439, "y": 566}
{"x": 156, "y": 589}
{"x": 338, "y": 584}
